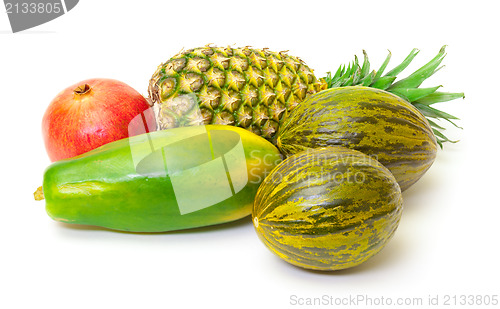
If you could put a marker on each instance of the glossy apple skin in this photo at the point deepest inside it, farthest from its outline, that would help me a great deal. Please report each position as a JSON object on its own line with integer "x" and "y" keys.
{"x": 82, "y": 118}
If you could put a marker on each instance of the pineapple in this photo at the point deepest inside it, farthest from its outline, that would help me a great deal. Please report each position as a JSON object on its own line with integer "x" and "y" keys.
{"x": 245, "y": 87}
{"x": 255, "y": 88}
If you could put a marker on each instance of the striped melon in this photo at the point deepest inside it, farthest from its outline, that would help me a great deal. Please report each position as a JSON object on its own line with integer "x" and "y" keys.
{"x": 327, "y": 208}
{"x": 373, "y": 121}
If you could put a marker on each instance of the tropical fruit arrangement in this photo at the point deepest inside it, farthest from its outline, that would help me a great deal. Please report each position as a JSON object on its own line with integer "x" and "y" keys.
{"x": 319, "y": 164}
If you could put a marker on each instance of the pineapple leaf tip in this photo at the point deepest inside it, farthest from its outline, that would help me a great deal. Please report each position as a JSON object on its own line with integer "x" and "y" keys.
{"x": 407, "y": 88}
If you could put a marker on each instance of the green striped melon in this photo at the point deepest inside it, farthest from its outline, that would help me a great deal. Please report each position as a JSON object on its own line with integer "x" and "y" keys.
{"x": 373, "y": 121}
{"x": 327, "y": 208}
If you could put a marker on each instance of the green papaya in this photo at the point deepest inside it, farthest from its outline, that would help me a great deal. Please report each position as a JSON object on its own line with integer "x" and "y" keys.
{"x": 162, "y": 181}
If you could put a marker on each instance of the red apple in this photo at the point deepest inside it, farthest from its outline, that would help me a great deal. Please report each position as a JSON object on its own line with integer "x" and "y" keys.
{"x": 92, "y": 113}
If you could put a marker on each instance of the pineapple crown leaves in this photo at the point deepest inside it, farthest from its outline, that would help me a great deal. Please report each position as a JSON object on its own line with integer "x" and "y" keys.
{"x": 356, "y": 74}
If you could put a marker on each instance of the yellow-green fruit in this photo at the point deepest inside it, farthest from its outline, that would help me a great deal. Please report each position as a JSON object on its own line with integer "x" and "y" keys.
{"x": 327, "y": 208}
{"x": 161, "y": 181}
{"x": 245, "y": 87}
{"x": 373, "y": 121}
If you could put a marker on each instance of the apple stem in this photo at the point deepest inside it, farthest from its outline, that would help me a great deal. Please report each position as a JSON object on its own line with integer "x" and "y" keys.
{"x": 82, "y": 89}
{"x": 39, "y": 194}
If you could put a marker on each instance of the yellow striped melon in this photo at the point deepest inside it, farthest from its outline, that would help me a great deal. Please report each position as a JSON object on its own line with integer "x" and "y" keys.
{"x": 327, "y": 208}
{"x": 373, "y": 121}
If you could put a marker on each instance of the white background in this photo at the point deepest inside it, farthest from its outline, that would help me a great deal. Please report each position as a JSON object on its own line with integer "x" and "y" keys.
{"x": 448, "y": 237}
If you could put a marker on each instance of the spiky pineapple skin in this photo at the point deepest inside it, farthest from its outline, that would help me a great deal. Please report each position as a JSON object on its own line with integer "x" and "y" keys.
{"x": 246, "y": 87}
